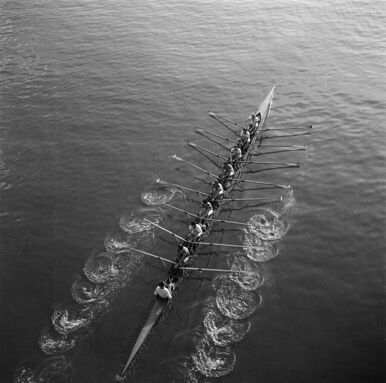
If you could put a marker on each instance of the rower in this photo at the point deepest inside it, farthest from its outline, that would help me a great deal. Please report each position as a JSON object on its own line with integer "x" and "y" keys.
{"x": 182, "y": 254}
{"x": 171, "y": 283}
{"x": 235, "y": 156}
{"x": 228, "y": 171}
{"x": 206, "y": 211}
{"x": 245, "y": 138}
{"x": 195, "y": 231}
{"x": 252, "y": 122}
{"x": 162, "y": 291}
{"x": 217, "y": 192}
{"x": 226, "y": 175}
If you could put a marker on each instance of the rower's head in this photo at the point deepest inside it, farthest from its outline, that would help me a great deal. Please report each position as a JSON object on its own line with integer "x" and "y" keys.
{"x": 250, "y": 125}
{"x": 193, "y": 224}
{"x": 161, "y": 284}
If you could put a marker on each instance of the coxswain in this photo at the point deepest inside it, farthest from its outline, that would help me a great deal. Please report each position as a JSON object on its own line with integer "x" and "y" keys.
{"x": 163, "y": 291}
{"x": 195, "y": 231}
{"x": 245, "y": 138}
{"x": 206, "y": 211}
{"x": 258, "y": 119}
{"x": 252, "y": 122}
{"x": 235, "y": 156}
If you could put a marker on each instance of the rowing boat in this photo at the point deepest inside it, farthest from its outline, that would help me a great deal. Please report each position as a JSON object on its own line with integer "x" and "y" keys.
{"x": 160, "y": 304}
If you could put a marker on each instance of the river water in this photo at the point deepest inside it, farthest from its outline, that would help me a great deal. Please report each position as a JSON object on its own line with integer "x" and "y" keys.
{"x": 96, "y": 96}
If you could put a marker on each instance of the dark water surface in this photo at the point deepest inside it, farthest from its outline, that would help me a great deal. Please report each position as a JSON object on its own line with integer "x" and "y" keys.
{"x": 96, "y": 95}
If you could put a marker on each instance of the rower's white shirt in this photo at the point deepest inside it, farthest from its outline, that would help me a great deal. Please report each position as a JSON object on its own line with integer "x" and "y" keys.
{"x": 196, "y": 230}
{"x": 163, "y": 292}
{"x": 206, "y": 213}
{"x": 184, "y": 251}
{"x": 235, "y": 155}
{"x": 220, "y": 189}
{"x": 236, "y": 151}
{"x": 245, "y": 135}
{"x": 254, "y": 121}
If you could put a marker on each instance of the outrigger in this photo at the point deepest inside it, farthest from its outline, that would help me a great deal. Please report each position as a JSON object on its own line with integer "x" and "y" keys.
{"x": 179, "y": 270}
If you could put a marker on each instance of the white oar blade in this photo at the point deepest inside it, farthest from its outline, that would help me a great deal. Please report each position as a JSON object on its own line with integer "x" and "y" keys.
{"x": 175, "y": 157}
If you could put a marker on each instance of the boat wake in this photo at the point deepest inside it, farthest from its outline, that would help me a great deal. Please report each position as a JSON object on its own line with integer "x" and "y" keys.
{"x": 267, "y": 225}
{"x": 213, "y": 362}
{"x": 131, "y": 224}
{"x": 158, "y": 197}
{"x": 222, "y": 330}
{"x": 52, "y": 343}
{"x": 45, "y": 371}
{"x": 258, "y": 250}
{"x": 70, "y": 316}
{"x": 232, "y": 300}
{"x": 246, "y": 282}
{"x": 104, "y": 273}
{"x": 100, "y": 268}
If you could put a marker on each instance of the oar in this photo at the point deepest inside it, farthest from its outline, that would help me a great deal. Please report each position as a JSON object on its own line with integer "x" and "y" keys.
{"x": 165, "y": 230}
{"x": 195, "y": 146}
{"x": 299, "y": 147}
{"x": 159, "y": 181}
{"x": 270, "y": 163}
{"x": 289, "y": 135}
{"x": 262, "y": 183}
{"x": 206, "y": 155}
{"x": 200, "y": 131}
{"x": 219, "y": 270}
{"x": 225, "y": 125}
{"x": 181, "y": 210}
{"x": 149, "y": 254}
{"x": 204, "y": 243}
{"x": 304, "y": 127}
{"x": 175, "y": 157}
{"x": 273, "y": 168}
{"x": 278, "y": 151}
{"x": 249, "y": 199}
{"x": 210, "y": 139}
{"x": 225, "y": 119}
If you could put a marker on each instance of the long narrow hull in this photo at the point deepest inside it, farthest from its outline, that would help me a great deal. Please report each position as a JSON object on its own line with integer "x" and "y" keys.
{"x": 161, "y": 304}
